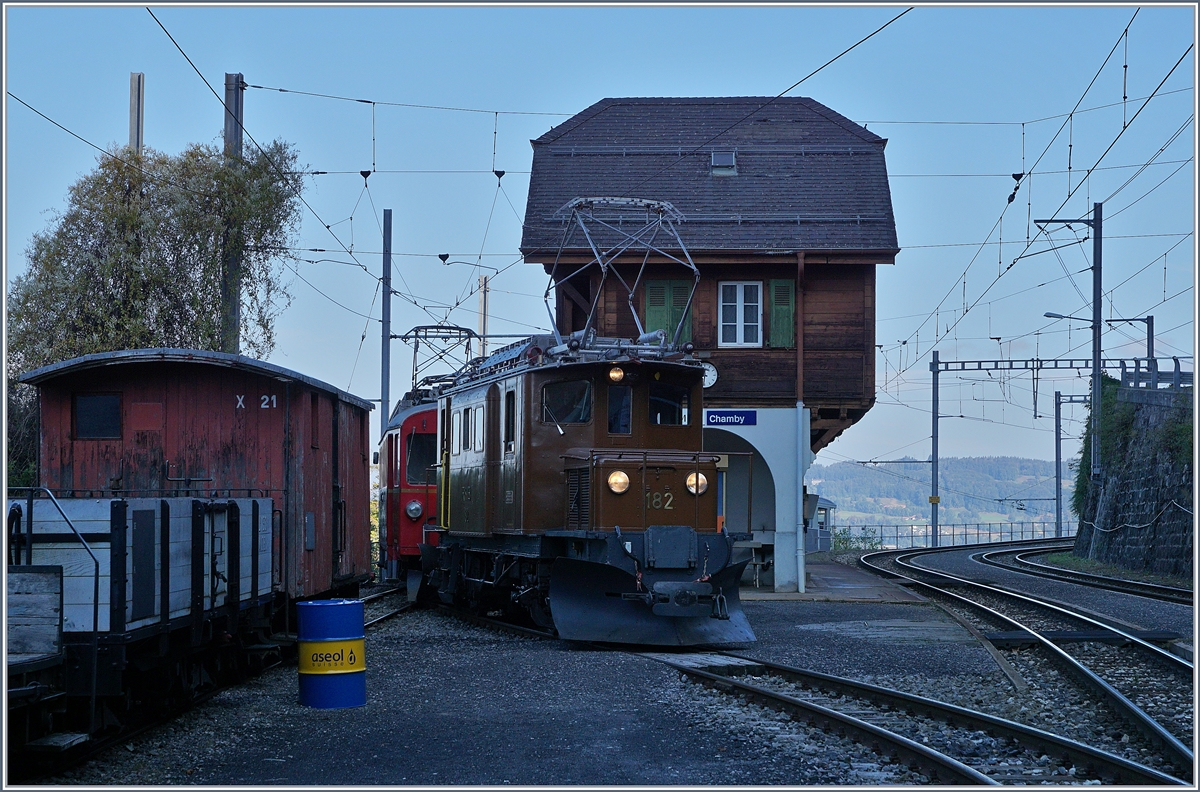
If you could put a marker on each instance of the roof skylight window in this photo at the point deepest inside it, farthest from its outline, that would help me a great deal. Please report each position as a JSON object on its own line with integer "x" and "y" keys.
{"x": 724, "y": 163}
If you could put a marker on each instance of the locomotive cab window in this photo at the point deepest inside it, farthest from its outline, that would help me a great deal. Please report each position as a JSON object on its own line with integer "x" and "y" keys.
{"x": 620, "y": 409}
{"x": 466, "y": 429}
{"x": 455, "y": 432}
{"x": 421, "y": 455}
{"x": 668, "y": 404}
{"x": 97, "y": 416}
{"x": 567, "y": 402}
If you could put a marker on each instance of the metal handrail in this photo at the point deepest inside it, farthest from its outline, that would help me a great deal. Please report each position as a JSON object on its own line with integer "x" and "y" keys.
{"x": 95, "y": 589}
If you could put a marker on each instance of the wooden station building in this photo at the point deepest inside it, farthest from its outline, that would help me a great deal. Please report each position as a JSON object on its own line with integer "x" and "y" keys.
{"x": 787, "y": 212}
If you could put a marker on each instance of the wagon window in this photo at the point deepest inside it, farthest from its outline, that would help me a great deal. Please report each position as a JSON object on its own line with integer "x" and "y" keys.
{"x": 668, "y": 404}
{"x": 421, "y": 456}
{"x": 567, "y": 402}
{"x": 620, "y": 408}
{"x": 97, "y": 416}
{"x": 510, "y": 421}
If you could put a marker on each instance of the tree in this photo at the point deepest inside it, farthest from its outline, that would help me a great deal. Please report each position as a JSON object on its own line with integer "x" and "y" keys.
{"x": 135, "y": 261}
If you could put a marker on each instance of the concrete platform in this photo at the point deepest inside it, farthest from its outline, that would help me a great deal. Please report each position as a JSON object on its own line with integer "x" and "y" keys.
{"x": 833, "y": 582}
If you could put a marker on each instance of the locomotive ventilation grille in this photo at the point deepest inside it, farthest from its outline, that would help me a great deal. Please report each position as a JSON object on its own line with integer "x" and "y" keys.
{"x": 579, "y": 499}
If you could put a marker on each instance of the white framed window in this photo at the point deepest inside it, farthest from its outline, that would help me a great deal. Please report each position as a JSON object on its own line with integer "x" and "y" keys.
{"x": 455, "y": 432}
{"x": 741, "y": 314}
{"x": 477, "y": 433}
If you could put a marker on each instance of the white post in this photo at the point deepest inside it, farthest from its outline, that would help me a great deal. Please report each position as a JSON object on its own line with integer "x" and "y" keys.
{"x": 803, "y": 452}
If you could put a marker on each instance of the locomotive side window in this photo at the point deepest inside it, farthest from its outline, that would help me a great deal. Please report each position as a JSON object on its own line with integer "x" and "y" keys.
{"x": 455, "y": 432}
{"x": 510, "y": 421}
{"x": 421, "y": 456}
{"x": 567, "y": 402}
{"x": 466, "y": 429}
{"x": 620, "y": 409}
{"x": 477, "y": 433}
{"x": 97, "y": 416}
{"x": 668, "y": 404}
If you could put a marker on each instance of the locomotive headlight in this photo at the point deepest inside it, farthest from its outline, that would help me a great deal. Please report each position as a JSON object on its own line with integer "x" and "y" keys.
{"x": 618, "y": 481}
{"x": 697, "y": 483}
{"x": 413, "y": 509}
{"x": 616, "y": 373}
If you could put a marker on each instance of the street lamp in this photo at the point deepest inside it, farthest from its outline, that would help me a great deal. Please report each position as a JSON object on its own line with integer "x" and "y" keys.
{"x": 483, "y": 299}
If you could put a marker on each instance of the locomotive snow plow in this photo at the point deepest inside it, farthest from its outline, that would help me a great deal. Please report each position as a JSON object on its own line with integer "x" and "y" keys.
{"x": 599, "y": 602}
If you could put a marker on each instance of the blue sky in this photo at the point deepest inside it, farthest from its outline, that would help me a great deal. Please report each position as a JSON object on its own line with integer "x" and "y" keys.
{"x": 1019, "y": 69}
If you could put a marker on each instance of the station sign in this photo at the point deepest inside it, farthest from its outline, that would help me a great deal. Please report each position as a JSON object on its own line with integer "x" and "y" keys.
{"x": 731, "y": 417}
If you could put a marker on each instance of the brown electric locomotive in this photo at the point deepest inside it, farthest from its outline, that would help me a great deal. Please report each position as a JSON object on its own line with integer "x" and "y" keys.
{"x": 573, "y": 489}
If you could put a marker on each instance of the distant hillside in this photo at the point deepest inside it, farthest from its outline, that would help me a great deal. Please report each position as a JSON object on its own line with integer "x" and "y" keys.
{"x": 970, "y": 486}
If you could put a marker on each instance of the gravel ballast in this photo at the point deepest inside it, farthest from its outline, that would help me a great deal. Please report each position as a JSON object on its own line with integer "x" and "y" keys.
{"x": 451, "y": 703}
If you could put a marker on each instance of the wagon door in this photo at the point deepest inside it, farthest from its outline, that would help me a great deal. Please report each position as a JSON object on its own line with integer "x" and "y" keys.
{"x": 491, "y": 457}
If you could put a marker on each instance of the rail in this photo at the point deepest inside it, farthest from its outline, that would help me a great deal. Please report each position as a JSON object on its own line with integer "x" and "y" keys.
{"x": 1172, "y": 749}
{"x": 31, "y": 491}
{"x": 1023, "y": 563}
{"x": 1114, "y": 769}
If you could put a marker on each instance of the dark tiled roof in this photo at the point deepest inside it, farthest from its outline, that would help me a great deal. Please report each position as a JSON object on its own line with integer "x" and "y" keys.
{"x": 807, "y": 177}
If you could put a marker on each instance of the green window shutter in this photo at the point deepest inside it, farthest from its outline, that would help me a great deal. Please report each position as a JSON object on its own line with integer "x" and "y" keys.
{"x": 783, "y": 314}
{"x": 658, "y": 315}
{"x": 665, "y": 300}
{"x": 679, "y": 295}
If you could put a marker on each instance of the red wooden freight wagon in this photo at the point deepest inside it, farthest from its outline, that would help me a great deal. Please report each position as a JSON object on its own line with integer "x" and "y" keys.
{"x": 177, "y": 423}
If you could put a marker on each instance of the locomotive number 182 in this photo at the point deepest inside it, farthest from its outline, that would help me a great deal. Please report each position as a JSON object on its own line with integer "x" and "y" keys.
{"x": 659, "y": 500}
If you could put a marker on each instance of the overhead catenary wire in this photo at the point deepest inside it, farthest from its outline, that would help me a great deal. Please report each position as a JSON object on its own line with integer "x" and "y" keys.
{"x": 786, "y": 91}
{"x": 1074, "y": 190}
{"x": 110, "y": 155}
{"x": 1024, "y": 176}
{"x": 406, "y": 104}
{"x": 1031, "y": 121}
{"x": 896, "y": 474}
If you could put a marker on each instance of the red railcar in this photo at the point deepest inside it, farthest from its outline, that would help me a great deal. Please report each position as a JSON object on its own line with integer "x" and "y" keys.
{"x": 408, "y": 482}
{"x": 191, "y": 423}
{"x": 186, "y": 500}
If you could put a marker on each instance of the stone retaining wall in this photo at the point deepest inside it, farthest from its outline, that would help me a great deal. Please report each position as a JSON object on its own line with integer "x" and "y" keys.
{"x": 1142, "y": 519}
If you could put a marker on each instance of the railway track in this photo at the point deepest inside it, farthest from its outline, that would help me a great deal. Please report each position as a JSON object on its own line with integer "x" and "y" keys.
{"x": 946, "y": 743}
{"x": 1133, "y": 682}
{"x": 1022, "y": 561}
{"x": 380, "y": 606}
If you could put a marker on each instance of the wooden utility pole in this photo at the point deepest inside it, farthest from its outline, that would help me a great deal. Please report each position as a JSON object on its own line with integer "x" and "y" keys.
{"x": 137, "y": 108}
{"x": 483, "y": 315}
{"x": 231, "y": 266}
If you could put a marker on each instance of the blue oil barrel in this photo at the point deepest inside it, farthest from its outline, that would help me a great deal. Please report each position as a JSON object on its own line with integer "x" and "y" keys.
{"x": 332, "y": 662}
